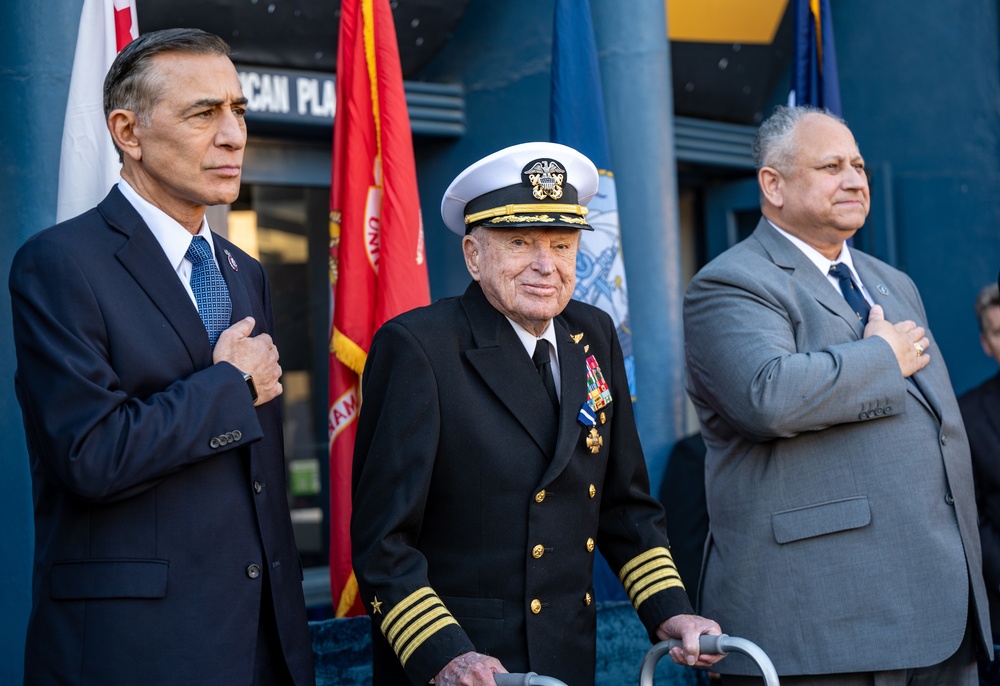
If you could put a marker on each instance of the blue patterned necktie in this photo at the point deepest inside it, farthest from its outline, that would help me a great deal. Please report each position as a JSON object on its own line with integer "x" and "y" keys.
{"x": 209, "y": 288}
{"x": 852, "y": 294}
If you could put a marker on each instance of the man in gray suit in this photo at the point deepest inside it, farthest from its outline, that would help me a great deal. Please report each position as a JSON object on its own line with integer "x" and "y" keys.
{"x": 843, "y": 533}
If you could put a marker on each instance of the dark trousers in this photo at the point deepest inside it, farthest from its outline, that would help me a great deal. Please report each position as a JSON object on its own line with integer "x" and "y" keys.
{"x": 989, "y": 672}
{"x": 269, "y": 668}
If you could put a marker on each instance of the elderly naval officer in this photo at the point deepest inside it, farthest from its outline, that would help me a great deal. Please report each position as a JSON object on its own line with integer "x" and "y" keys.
{"x": 496, "y": 448}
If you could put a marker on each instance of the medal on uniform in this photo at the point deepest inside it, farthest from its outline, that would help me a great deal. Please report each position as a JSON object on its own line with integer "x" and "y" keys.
{"x": 598, "y": 397}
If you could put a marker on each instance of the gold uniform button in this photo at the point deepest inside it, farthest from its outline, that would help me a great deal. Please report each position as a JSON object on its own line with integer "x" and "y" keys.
{"x": 537, "y": 551}
{"x": 603, "y": 418}
{"x": 590, "y": 545}
{"x": 540, "y": 496}
{"x": 536, "y": 606}
{"x": 587, "y": 599}
{"x": 592, "y": 491}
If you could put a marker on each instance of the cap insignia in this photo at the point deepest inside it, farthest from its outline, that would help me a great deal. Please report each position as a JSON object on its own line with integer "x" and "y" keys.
{"x": 546, "y": 177}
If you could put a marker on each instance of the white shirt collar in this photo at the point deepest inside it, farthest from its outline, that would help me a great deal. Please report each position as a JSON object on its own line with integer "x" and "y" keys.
{"x": 530, "y": 340}
{"x": 172, "y": 237}
{"x": 823, "y": 263}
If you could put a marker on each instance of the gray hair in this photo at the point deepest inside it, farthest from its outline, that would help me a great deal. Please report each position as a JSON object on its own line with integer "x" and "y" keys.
{"x": 774, "y": 145}
{"x": 132, "y": 83}
{"x": 989, "y": 297}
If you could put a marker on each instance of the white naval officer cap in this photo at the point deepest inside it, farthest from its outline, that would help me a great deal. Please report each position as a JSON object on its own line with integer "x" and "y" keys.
{"x": 544, "y": 185}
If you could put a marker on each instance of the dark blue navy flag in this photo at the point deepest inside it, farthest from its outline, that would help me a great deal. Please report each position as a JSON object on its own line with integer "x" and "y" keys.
{"x": 814, "y": 81}
{"x": 578, "y": 121}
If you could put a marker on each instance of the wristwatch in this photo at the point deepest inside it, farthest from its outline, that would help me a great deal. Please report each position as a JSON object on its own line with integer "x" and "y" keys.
{"x": 251, "y": 386}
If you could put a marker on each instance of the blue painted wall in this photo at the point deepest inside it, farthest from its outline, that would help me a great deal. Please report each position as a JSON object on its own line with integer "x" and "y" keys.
{"x": 920, "y": 83}
{"x": 36, "y": 51}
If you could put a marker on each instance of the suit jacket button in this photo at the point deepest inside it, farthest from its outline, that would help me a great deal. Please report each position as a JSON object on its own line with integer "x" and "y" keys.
{"x": 590, "y": 545}
{"x": 253, "y": 571}
{"x": 592, "y": 491}
{"x": 230, "y": 437}
{"x": 587, "y": 599}
{"x": 540, "y": 496}
{"x": 237, "y": 435}
{"x": 944, "y": 440}
{"x": 949, "y": 498}
{"x": 257, "y": 486}
{"x": 537, "y": 551}
{"x": 536, "y": 606}
{"x": 214, "y": 443}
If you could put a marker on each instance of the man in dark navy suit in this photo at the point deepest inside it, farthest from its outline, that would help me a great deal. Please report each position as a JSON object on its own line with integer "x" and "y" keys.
{"x": 149, "y": 386}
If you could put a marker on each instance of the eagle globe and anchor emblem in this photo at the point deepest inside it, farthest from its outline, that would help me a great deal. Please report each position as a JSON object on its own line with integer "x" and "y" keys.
{"x": 546, "y": 177}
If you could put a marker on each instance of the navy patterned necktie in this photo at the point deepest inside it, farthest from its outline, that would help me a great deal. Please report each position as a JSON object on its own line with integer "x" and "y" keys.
{"x": 543, "y": 364}
{"x": 852, "y": 293}
{"x": 214, "y": 305}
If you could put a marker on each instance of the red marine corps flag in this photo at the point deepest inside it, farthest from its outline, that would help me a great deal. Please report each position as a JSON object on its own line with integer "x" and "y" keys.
{"x": 88, "y": 165}
{"x": 377, "y": 267}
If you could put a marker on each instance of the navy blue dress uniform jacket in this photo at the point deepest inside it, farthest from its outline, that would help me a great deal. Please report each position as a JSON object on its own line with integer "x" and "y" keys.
{"x": 477, "y": 509}
{"x": 159, "y": 490}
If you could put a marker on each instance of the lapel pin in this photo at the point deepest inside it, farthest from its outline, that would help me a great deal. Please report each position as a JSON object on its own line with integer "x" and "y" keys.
{"x": 232, "y": 260}
{"x": 576, "y": 337}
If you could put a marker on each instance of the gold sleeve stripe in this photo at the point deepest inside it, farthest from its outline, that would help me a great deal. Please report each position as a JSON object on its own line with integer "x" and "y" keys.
{"x": 415, "y": 619}
{"x": 652, "y": 568}
{"x": 431, "y": 617}
{"x": 391, "y": 633}
{"x": 424, "y": 635}
{"x": 642, "y": 559}
{"x": 656, "y": 588}
{"x": 405, "y": 604}
{"x": 649, "y": 573}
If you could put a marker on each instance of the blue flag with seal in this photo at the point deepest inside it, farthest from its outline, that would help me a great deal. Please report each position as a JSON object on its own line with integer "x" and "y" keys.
{"x": 577, "y": 120}
{"x": 815, "y": 80}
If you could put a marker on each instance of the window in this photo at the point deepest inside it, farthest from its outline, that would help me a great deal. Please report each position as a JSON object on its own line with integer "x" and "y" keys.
{"x": 286, "y": 228}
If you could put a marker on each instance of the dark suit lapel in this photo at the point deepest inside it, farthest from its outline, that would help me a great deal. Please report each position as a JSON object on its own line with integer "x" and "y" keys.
{"x": 235, "y": 281}
{"x": 145, "y": 260}
{"x": 507, "y": 370}
{"x": 787, "y": 255}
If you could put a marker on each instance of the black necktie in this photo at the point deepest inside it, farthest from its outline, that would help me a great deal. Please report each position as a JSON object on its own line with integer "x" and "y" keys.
{"x": 852, "y": 294}
{"x": 544, "y": 366}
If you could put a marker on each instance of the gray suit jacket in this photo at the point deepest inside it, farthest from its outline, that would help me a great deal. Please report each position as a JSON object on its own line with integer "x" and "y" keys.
{"x": 842, "y": 513}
